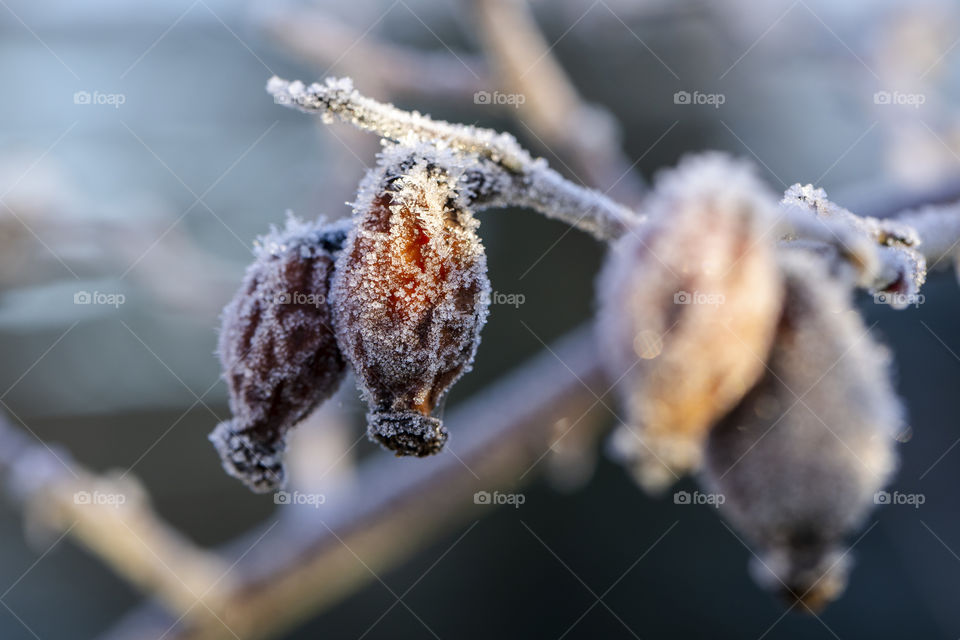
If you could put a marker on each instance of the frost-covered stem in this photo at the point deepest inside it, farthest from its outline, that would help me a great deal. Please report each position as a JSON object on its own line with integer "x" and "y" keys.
{"x": 524, "y": 181}
{"x": 525, "y": 65}
{"x": 301, "y": 567}
{"x": 939, "y": 229}
{"x": 112, "y": 517}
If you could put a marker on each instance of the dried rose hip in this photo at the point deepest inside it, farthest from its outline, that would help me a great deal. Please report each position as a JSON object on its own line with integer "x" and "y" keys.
{"x": 278, "y": 349}
{"x": 410, "y": 295}
{"x": 688, "y": 308}
{"x": 800, "y": 460}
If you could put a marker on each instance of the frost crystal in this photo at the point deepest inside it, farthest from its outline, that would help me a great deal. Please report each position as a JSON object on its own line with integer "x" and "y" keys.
{"x": 508, "y": 174}
{"x": 688, "y": 307}
{"x": 411, "y": 292}
{"x": 278, "y": 348}
{"x": 883, "y": 252}
{"x": 800, "y": 458}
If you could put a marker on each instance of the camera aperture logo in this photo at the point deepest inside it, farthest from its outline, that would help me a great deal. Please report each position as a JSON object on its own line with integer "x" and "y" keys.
{"x": 899, "y": 300}
{"x": 712, "y": 499}
{"x": 297, "y": 498}
{"x": 99, "y": 98}
{"x": 99, "y": 498}
{"x": 696, "y": 297}
{"x": 896, "y": 498}
{"x": 498, "y": 98}
{"x": 898, "y": 98}
{"x": 300, "y": 298}
{"x": 99, "y": 298}
{"x": 497, "y": 498}
{"x": 712, "y": 99}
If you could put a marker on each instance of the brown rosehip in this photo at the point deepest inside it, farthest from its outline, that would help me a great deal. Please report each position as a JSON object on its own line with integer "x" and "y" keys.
{"x": 688, "y": 306}
{"x": 801, "y": 458}
{"x": 411, "y": 295}
{"x": 278, "y": 349}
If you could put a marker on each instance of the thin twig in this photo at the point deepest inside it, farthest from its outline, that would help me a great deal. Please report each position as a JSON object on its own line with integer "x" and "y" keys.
{"x": 395, "y": 508}
{"x": 523, "y": 180}
{"x": 587, "y": 135}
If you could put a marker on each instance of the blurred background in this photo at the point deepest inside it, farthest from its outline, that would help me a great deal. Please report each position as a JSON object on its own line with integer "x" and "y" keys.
{"x": 140, "y": 157}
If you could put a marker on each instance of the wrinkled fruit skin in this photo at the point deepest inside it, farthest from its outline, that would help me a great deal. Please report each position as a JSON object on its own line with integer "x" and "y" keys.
{"x": 688, "y": 307}
{"x": 411, "y": 295}
{"x": 800, "y": 475}
{"x": 278, "y": 349}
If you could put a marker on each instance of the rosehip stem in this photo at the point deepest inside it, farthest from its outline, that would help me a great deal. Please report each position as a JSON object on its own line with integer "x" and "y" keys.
{"x": 531, "y": 182}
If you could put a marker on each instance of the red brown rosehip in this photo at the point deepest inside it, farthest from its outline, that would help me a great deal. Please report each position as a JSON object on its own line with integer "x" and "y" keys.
{"x": 278, "y": 349}
{"x": 411, "y": 296}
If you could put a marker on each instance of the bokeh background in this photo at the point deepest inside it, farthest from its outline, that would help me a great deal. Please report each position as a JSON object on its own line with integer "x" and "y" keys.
{"x": 155, "y": 184}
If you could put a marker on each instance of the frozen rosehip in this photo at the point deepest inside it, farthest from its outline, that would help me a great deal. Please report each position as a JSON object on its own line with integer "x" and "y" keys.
{"x": 278, "y": 349}
{"x": 688, "y": 306}
{"x": 411, "y": 296}
{"x": 801, "y": 458}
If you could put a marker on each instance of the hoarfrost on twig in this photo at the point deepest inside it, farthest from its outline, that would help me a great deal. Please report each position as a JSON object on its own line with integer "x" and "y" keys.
{"x": 521, "y": 179}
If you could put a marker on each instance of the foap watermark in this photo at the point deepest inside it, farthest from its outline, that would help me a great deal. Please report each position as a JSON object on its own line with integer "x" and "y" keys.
{"x": 898, "y": 98}
{"x": 896, "y": 498}
{"x": 899, "y": 300}
{"x": 509, "y": 99}
{"x": 512, "y": 299}
{"x": 696, "y": 297}
{"x": 712, "y": 99}
{"x": 712, "y": 499}
{"x": 297, "y": 297}
{"x": 99, "y": 98}
{"x": 100, "y": 498}
{"x": 99, "y": 298}
{"x": 485, "y": 497}
{"x": 295, "y": 497}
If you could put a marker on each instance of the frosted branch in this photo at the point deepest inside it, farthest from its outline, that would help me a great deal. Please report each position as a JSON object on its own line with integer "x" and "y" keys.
{"x": 883, "y": 253}
{"x": 550, "y": 102}
{"x": 939, "y": 228}
{"x": 520, "y": 179}
{"x": 505, "y": 432}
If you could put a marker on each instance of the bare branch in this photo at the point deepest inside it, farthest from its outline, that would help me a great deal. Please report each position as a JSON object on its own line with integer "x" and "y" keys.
{"x": 521, "y": 180}
{"x": 113, "y": 518}
{"x": 501, "y": 436}
{"x": 525, "y": 64}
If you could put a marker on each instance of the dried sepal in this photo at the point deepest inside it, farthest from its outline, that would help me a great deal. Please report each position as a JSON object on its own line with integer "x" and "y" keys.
{"x": 278, "y": 348}
{"x": 883, "y": 253}
{"x": 411, "y": 293}
{"x": 801, "y": 457}
{"x": 688, "y": 306}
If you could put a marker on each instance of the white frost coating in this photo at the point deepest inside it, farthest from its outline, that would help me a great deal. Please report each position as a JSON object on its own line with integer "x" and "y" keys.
{"x": 799, "y": 476}
{"x": 939, "y": 226}
{"x": 883, "y": 252}
{"x": 688, "y": 308}
{"x": 520, "y": 179}
{"x": 410, "y": 291}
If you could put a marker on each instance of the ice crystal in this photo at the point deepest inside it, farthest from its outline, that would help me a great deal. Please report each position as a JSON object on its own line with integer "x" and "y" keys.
{"x": 411, "y": 293}
{"x": 688, "y": 306}
{"x": 278, "y": 348}
{"x": 511, "y": 177}
{"x": 800, "y": 458}
{"x": 883, "y": 252}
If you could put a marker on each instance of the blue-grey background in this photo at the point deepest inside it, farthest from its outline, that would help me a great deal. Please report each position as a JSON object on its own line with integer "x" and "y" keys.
{"x": 160, "y": 197}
